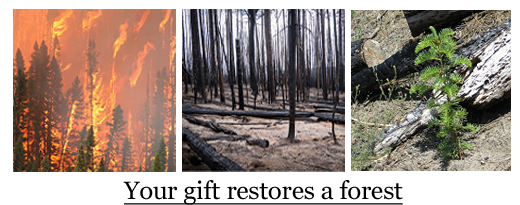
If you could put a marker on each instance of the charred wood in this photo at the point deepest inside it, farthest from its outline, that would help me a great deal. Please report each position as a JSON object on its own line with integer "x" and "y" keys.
{"x": 208, "y": 153}
{"x": 420, "y": 21}
{"x": 328, "y": 117}
{"x": 250, "y": 113}
{"x": 214, "y": 126}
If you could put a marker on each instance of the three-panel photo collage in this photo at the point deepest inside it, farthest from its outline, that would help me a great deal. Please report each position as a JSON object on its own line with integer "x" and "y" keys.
{"x": 261, "y": 90}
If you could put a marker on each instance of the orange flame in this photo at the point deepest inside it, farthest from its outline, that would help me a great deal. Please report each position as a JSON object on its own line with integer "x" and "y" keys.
{"x": 140, "y": 60}
{"x": 165, "y": 20}
{"x": 121, "y": 39}
{"x": 88, "y": 22}
{"x": 137, "y": 27}
{"x": 59, "y": 26}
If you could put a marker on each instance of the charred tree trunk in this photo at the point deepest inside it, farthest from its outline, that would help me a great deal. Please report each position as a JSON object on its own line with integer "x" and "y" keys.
{"x": 197, "y": 60}
{"x": 336, "y": 97}
{"x": 420, "y": 21}
{"x": 292, "y": 73}
{"x": 252, "y": 23}
{"x": 219, "y": 60}
{"x": 231, "y": 73}
{"x": 211, "y": 54}
{"x": 323, "y": 65}
{"x": 269, "y": 53}
{"x": 487, "y": 83}
{"x": 239, "y": 78}
{"x": 208, "y": 153}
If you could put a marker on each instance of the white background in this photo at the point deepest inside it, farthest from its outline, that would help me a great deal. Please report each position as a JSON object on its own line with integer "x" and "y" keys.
{"x": 108, "y": 188}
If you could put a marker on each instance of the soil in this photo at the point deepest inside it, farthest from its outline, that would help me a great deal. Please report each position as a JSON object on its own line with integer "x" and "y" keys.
{"x": 491, "y": 144}
{"x": 310, "y": 153}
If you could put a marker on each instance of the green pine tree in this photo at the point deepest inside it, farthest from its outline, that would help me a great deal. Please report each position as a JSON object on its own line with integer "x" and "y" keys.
{"x": 116, "y": 131}
{"x": 161, "y": 150}
{"x": 126, "y": 159}
{"x": 451, "y": 115}
{"x": 19, "y": 156}
{"x": 101, "y": 167}
{"x": 90, "y": 143}
{"x": 46, "y": 165}
{"x": 81, "y": 165}
{"x": 157, "y": 164}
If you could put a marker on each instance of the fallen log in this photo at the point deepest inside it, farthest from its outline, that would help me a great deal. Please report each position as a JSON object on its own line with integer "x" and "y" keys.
{"x": 420, "y": 21}
{"x": 214, "y": 126}
{"x": 327, "y": 117}
{"x": 250, "y": 113}
{"x": 208, "y": 153}
{"x": 396, "y": 66}
{"x": 489, "y": 78}
{"x": 251, "y": 106}
{"x": 258, "y": 142}
{"x": 226, "y": 137}
{"x": 487, "y": 83}
{"x": 327, "y": 108}
{"x": 364, "y": 53}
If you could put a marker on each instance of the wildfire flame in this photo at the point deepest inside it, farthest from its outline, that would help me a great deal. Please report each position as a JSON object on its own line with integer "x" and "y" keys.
{"x": 88, "y": 21}
{"x": 139, "y": 63}
{"x": 59, "y": 26}
{"x": 121, "y": 39}
{"x": 139, "y": 25}
{"x": 124, "y": 40}
{"x": 165, "y": 20}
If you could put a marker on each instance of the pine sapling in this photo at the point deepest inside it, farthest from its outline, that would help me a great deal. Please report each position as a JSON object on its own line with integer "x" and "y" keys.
{"x": 451, "y": 116}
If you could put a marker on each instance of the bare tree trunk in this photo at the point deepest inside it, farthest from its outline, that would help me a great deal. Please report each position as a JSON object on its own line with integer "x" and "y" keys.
{"x": 252, "y": 23}
{"x": 292, "y": 73}
{"x": 198, "y": 70}
{"x": 211, "y": 54}
{"x": 231, "y": 73}
{"x": 323, "y": 64}
{"x": 269, "y": 51}
{"x": 302, "y": 58}
{"x": 219, "y": 60}
{"x": 239, "y": 77}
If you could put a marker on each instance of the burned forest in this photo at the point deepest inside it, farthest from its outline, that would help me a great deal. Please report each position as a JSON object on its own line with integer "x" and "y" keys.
{"x": 93, "y": 90}
{"x": 263, "y": 90}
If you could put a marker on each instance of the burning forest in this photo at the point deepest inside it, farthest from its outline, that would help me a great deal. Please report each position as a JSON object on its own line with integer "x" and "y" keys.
{"x": 265, "y": 88}
{"x": 94, "y": 90}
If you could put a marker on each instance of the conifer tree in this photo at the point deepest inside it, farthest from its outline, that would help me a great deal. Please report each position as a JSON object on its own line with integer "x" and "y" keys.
{"x": 81, "y": 166}
{"x": 20, "y": 98}
{"x": 90, "y": 143}
{"x": 92, "y": 71}
{"x": 126, "y": 159}
{"x": 38, "y": 87}
{"x": 159, "y": 102}
{"x": 54, "y": 106}
{"x": 101, "y": 166}
{"x": 451, "y": 115}
{"x": 161, "y": 151}
{"x": 157, "y": 164}
{"x": 46, "y": 165}
{"x": 19, "y": 156}
{"x": 116, "y": 131}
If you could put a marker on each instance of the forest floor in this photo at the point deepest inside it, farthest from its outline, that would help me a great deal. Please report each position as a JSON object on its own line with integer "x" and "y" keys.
{"x": 491, "y": 144}
{"x": 310, "y": 153}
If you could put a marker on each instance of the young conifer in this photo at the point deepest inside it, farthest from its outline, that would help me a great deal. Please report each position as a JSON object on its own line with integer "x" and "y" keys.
{"x": 451, "y": 115}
